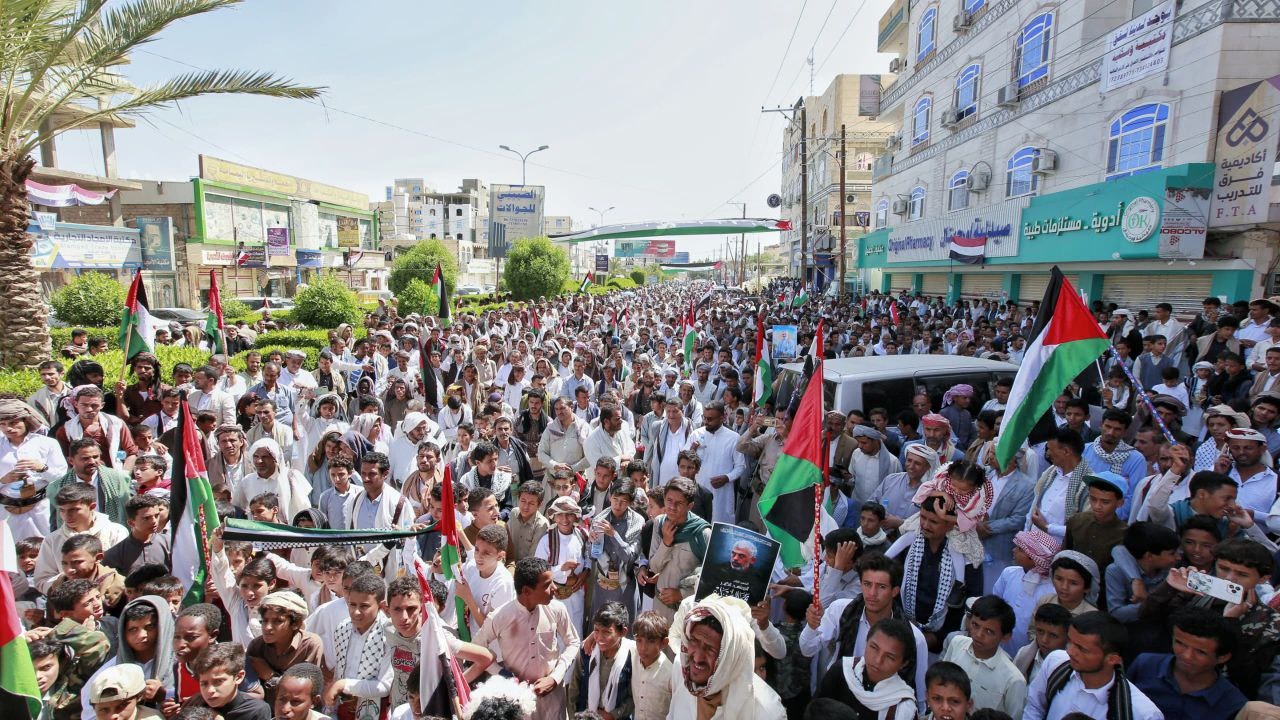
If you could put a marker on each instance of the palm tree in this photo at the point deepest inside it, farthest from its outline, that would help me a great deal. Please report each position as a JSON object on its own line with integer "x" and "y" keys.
{"x": 59, "y": 62}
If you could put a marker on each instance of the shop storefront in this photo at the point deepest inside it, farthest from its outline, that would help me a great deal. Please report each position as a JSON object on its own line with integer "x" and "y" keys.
{"x": 1134, "y": 242}
{"x": 62, "y": 250}
{"x": 265, "y": 233}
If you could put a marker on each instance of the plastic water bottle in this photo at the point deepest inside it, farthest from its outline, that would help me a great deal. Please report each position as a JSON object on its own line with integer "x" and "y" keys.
{"x": 597, "y": 544}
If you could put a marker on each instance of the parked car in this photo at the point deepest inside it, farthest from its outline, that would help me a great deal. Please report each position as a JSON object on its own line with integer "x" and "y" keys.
{"x": 469, "y": 290}
{"x": 277, "y": 303}
{"x": 178, "y": 314}
{"x": 373, "y": 296}
{"x": 889, "y": 382}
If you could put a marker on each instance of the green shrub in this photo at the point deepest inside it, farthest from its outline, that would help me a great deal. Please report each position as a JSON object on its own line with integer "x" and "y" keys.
{"x": 300, "y": 339}
{"x": 313, "y": 354}
{"x": 327, "y": 303}
{"x": 92, "y": 298}
{"x": 420, "y": 263}
{"x": 237, "y": 309}
{"x": 26, "y": 382}
{"x": 19, "y": 382}
{"x": 535, "y": 268}
{"x": 637, "y": 276}
{"x": 253, "y": 316}
{"x": 417, "y": 297}
{"x": 61, "y": 337}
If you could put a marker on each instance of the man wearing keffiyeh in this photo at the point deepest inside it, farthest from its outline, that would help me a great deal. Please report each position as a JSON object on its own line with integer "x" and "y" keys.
{"x": 1110, "y": 453}
{"x": 935, "y": 576}
{"x": 955, "y": 408}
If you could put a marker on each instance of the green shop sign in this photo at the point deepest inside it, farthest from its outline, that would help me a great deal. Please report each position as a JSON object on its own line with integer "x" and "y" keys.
{"x": 1138, "y": 219}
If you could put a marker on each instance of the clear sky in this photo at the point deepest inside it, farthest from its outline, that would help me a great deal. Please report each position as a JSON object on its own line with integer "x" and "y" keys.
{"x": 652, "y": 107}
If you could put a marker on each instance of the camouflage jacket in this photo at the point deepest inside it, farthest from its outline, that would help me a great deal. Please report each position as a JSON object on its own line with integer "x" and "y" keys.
{"x": 85, "y": 651}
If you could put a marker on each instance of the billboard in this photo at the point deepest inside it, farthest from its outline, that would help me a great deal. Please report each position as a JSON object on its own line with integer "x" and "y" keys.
{"x": 1139, "y": 47}
{"x": 74, "y": 246}
{"x": 278, "y": 242}
{"x": 156, "y": 243}
{"x": 680, "y": 257}
{"x": 217, "y": 170}
{"x": 1248, "y": 136}
{"x": 602, "y": 263}
{"x": 348, "y": 232}
{"x": 516, "y": 211}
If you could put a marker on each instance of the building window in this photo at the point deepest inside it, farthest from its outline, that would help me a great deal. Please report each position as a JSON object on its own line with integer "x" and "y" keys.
{"x": 459, "y": 236}
{"x": 1033, "y": 49}
{"x": 882, "y": 213}
{"x": 967, "y": 91}
{"x": 864, "y": 161}
{"x": 973, "y": 6}
{"x": 927, "y": 35}
{"x": 1020, "y": 180}
{"x": 1136, "y": 143}
{"x": 958, "y": 191}
{"x": 920, "y": 120}
{"x": 432, "y": 211}
{"x": 915, "y": 210}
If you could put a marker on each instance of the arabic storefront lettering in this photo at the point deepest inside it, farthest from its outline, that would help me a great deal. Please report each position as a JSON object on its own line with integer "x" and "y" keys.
{"x": 518, "y": 208}
{"x": 218, "y": 170}
{"x": 930, "y": 239}
{"x": 1137, "y": 220}
{"x": 73, "y": 246}
{"x": 1245, "y": 161}
{"x": 278, "y": 242}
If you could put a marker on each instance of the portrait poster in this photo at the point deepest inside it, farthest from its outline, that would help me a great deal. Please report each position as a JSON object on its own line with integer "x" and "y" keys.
{"x": 784, "y": 341}
{"x": 738, "y": 564}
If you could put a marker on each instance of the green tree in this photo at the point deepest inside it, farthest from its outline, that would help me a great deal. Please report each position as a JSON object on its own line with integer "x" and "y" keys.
{"x": 92, "y": 298}
{"x": 420, "y": 263}
{"x": 327, "y": 303}
{"x": 637, "y": 276}
{"x": 61, "y": 71}
{"x": 535, "y": 268}
{"x": 417, "y": 297}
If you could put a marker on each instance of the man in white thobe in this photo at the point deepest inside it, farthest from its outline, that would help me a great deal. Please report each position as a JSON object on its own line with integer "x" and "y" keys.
{"x": 722, "y": 464}
{"x": 611, "y": 439}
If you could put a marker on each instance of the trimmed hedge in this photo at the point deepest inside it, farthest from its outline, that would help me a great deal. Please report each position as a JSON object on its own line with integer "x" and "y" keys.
{"x": 313, "y": 354}
{"x": 26, "y": 382}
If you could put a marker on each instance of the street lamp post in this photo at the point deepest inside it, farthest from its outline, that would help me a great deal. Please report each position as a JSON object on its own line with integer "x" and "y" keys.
{"x": 524, "y": 158}
{"x": 740, "y": 267}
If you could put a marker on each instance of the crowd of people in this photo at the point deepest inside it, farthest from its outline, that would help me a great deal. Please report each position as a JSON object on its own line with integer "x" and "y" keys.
{"x": 1121, "y": 565}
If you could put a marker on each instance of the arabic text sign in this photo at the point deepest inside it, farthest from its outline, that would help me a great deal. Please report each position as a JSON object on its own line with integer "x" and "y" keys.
{"x": 1139, "y": 47}
{"x": 1184, "y": 223}
{"x": 602, "y": 263}
{"x": 75, "y": 246}
{"x": 217, "y": 170}
{"x": 1137, "y": 220}
{"x": 930, "y": 239}
{"x": 156, "y": 243}
{"x": 1248, "y": 120}
{"x": 348, "y": 232}
{"x": 519, "y": 208}
{"x": 278, "y": 242}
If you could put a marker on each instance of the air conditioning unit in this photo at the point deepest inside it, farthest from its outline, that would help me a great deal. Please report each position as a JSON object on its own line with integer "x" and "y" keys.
{"x": 1046, "y": 161}
{"x": 1008, "y": 95}
{"x": 893, "y": 142}
{"x": 900, "y": 207}
{"x": 977, "y": 181}
{"x": 961, "y": 22}
{"x": 950, "y": 117}
{"x": 897, "y": 65}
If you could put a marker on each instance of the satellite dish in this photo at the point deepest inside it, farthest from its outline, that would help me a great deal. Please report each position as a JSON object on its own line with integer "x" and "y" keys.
{"x": 774, "y": 200}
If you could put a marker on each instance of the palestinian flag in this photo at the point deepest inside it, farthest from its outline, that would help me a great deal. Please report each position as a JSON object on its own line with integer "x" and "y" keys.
{"x": 20, "y": 695}
{"x": 787, "y": 503}
{"x": 442, "y": 686}
{"x": 450, "y": 554}
{"x": 274, "y": 536}
{"x": 613, "y": 323}
{"x": 763, "y": 389}
{"x": 442, "y": 296}
{"x": 1067, "y": 340}
{"x": 194, "y": 515}
{"x": 214, "y": 326}
{"x": 137, "y": 328}
{"x": 430, "y": 391}
{"x": 816, "y": 351}
{"x": 586, "y": 283}
{"x": 800, "y": 299}
{"x": 690, "y": 341}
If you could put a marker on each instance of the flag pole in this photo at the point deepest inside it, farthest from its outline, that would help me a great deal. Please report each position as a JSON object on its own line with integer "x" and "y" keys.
{"x": 1142, "y": 393}
{"x": 818, "y": 491}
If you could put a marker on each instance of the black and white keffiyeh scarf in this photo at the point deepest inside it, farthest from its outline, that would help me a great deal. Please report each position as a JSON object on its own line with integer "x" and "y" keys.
{"x": 1115, "y": 459}
{"x": 374, "y": 655}
{"x": 910, "y": 575}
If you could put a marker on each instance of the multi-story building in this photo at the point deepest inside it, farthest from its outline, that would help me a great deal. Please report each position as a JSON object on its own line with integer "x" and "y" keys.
{"x": 849, "y": 101}
{"x": 458, "y": 219}
{"x": 1081, "y": 133}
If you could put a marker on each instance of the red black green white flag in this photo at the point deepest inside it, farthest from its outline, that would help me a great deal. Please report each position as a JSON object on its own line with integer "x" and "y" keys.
{"x": 787, "y": 503}
{"x": 20, "y": 695}
{"x": 195, "y": 516}
{"x": 1067, "y": 340}
{"x": 442, "y": 296}
{"x": 137, "y": 327}
{"x": 214, "y": 326}
{"x": 450, "y": 547}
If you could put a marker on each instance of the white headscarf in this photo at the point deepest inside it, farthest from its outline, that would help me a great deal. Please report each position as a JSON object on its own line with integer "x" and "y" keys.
{"x": 733, "y": 683}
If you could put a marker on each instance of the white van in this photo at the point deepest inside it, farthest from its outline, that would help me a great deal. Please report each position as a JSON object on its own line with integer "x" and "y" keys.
{"x": 889, "y": 382}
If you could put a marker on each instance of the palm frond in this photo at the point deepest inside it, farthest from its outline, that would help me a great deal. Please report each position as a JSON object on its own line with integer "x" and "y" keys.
{"x": 191, "y": 85}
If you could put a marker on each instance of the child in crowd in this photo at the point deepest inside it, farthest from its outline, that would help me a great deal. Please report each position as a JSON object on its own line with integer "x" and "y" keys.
{"x": 873, "y": 685}
{"x": 1075, "y": 582}
{"x": 1141, "y": 563}
{"x": 965, "y": 486}
{"x": 362, "y": 657}
{"x": 610, "y": 666}
{"x": 996, "y": 682}
{"x": 115, "y": 694}
{"x": 1049, "y": 633}
{"x": 564, "y": 547}
{"x": 79, "y": 602}
{"x": 1095, "y": 532}
{"x": 324, "y": 620}
{"x": 220, "y": 670}
{"x": 411, "y": 708}
{"x": 1171, "y": 384}
{"x": 871, "y": 534}
{"x": 1198, "y": 538}
{"x": 793, "y": 671}
{"x": 82, "y": 559}
{"x": 486, "y": 584}
{"x": 196, "y": 628}
{"x": 298, "y": 693}
{"x": 241, "y": 591}
{"x": 651, "y": 673}
{"x": 947, "y": 692}
{"x": 482, "y": 505}
{"x": 265, "y": 507}
{"x": 333, "y": 500}
{"x": 526, "y": 526}
{"x": 283, "y": 642}
{"x": 60, "y": 699}
{"x": 1026, "y": 581}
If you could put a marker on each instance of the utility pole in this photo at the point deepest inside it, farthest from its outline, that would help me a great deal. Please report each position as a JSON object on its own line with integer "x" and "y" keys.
{"x": 843, "y": 209}
{"x": 804, "y": 197}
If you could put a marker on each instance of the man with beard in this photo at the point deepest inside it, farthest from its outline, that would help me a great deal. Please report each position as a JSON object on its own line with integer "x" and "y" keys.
{"x": 713, "y": 676}
{"x": 1086, "y": 677}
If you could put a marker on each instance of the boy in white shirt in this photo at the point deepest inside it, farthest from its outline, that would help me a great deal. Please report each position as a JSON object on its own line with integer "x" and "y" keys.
{"x": 486, "y": 584}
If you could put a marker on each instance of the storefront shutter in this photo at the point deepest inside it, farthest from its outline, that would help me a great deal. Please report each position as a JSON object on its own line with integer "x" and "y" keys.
{"x": 935, "y": 284}
{"x": 1141, "y": 292}
{"x": 981, "y": 286}
{"x": 1032, "y": 285}
{"x": 900, "y": 282}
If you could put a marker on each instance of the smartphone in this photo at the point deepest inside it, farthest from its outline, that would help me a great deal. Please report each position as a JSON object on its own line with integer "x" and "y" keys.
{"x": 1215, "y": 587}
